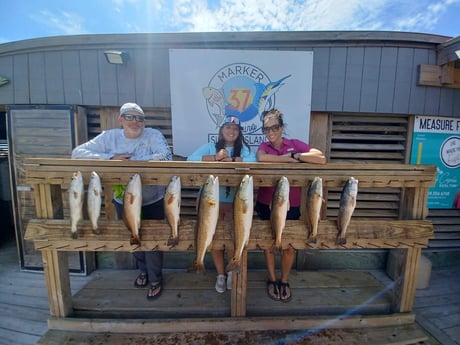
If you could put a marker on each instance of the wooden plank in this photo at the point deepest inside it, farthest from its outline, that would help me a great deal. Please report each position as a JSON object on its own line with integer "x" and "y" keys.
{"x": 399, "y": 335}
{"x": 217, "y": 324}
{"x": 58, "y": 171}
{"x": 55, "y": 234}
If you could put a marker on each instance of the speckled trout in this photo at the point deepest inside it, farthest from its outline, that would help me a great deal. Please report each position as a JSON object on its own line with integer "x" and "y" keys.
{"x": 243, "y": 209}
{"x": 279, "y": 208}
{"x": 94, "y": 200}
{"x": 132, "y": 204}
{"x": 314, "y": 203}
{"x": 346, "y": 208}
{"x": 172, "y": 202}
{"x": 208, "y": 214}
{"x": 76, "y": 192}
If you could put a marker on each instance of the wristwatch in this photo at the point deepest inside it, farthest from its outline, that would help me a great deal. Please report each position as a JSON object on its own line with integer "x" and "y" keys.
{"x": 293, "y": 156}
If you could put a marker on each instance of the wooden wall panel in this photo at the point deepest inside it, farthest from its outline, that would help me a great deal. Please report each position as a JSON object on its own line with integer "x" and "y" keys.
{"x": 353, "y": 78}
{"x": 37, "y": 78}
{"x": 90, "y": 87}
{"x": 145, "y": 78}
{"x": 336, "y": 80}
{"x": 404, "y": 79}
{"x": 54, "y": 78}
{"x": 72, "y": 77}
{"x": 125, "y": 80}
{"x": 161, "y": 82}
{"x": 21, "y": 86}
{"x": 387, "y": 80}
{"x": 417, "y": 93}
{"x": 370, "y": 81}
{"x": 6, "y": 64}
{"x": 320, "y": 78}
{"x": 447, "y": 101}
{"x": 108, "y": 81}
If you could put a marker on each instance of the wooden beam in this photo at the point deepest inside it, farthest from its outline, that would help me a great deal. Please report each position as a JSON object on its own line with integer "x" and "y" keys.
{"x": 441, "y": 76}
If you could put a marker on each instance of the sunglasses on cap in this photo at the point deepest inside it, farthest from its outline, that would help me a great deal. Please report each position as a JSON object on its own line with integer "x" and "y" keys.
{"x": 130, "y": 117}
{"x": 232, "y": 120}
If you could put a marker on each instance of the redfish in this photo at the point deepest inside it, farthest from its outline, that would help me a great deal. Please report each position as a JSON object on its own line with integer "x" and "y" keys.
{"x": 132, "y": 204}
{"x": 279, "y": 209}
{"x": 94, "y": 200}
{"x": 208, "y": 214}
{"x": 243, "y": 209}
{"x": 76, "y": 191}
{"x": 172, "y": 201}
{"x": 346, "y": 208}
{"x": 314, "y": 203}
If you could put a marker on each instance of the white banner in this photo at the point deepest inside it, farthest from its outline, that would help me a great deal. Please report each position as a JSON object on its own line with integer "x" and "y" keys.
{"x": 207, "y": 84}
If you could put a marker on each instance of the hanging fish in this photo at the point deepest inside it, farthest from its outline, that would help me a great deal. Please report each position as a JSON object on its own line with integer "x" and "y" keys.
{"x": 76, "y": 202}
{"x": 208, "y": 214}
{"x": 279, "y": 209}
{"x": 172, "y": 201}
{"x": 314, "y": 203}
{"x": 243, "y": 208}
{"x": 94, "y": 200}
{"x": 132, "y": 204}
{"x": 346, "y": 208}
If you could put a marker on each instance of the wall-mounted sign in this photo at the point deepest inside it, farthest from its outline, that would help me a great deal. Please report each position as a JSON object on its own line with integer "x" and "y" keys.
{"x": 208, "y": 84}
{"x": 436, "y": 140}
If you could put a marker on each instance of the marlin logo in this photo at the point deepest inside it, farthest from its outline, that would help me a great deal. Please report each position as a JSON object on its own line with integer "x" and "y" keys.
{"x": 3, "y": 81}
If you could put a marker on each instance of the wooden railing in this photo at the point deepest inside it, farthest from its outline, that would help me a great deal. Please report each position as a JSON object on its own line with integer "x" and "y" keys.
{"x": 50, "y": 230}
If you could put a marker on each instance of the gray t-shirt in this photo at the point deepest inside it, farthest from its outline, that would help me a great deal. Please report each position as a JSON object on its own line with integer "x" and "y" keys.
{"x": 150, "y": 145}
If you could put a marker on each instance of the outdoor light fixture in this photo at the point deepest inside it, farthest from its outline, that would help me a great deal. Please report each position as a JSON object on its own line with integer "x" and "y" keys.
{"x": 457, "y": 52}
{"x": 116, "y": 57}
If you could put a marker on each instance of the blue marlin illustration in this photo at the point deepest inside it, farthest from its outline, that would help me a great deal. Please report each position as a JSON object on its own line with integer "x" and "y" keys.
{"x": 3, "y": 81}
{"x": 265, "y": 92}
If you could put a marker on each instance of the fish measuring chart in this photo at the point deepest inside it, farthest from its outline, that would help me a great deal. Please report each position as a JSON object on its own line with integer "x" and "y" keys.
{"x": 51, "y": 235}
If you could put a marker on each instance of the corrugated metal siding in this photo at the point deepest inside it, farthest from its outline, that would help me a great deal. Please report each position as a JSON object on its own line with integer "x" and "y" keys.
{"x": 380, "y": 77}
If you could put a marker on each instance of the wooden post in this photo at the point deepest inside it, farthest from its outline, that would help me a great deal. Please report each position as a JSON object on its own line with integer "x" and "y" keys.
{"x": 55, "y": 265}
{"x": 405, "y": 280}
{"x": 239, "y": 287}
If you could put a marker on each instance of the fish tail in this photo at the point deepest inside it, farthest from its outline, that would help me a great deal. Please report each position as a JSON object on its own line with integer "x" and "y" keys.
{"x": 234, "y": 265}
{"x": 341, "y": 239}
{"x": 135, "y": 240}
{"x": 173, "y": 241}
{"x": 197, "y": 267}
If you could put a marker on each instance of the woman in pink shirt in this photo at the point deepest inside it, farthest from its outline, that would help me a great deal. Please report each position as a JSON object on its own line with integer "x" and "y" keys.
{"x": 277, "y": 150}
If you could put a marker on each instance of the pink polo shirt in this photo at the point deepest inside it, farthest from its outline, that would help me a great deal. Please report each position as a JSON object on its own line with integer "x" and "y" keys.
{"x": 265, "y": 194}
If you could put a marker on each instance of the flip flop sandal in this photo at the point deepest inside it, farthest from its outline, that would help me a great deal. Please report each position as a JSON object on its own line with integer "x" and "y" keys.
{"x": 284, "y": 296}
{"x": 144, "y": 278}
{"x": 275, "y": 294}
{"x": 156, "y": 289}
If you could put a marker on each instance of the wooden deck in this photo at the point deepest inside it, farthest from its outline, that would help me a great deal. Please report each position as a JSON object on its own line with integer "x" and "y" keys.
{"x": 25, "y": 310}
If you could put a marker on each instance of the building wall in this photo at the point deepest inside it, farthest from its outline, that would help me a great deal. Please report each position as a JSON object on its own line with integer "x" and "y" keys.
{"x": 362, "y": 72}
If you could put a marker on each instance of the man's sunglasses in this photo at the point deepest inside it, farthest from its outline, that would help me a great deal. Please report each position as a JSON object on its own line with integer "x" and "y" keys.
{"x": 274, "y": 128}
{"x": 130, "y": 117}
